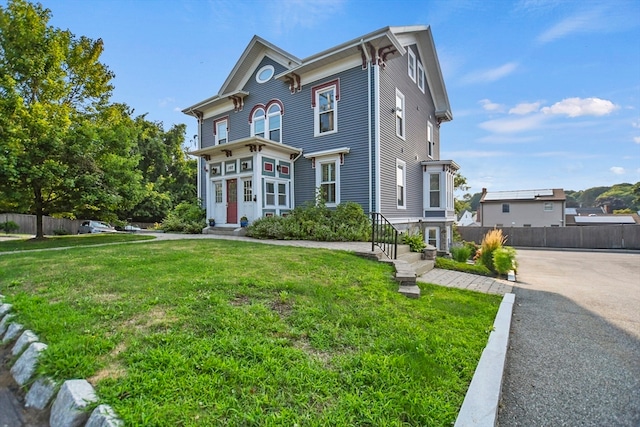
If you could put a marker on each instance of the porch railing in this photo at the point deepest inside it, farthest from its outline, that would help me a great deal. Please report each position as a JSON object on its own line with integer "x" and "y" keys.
{"x": 384, "y": 235}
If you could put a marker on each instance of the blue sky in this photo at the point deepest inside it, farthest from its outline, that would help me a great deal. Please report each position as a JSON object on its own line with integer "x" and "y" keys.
{"x": 544, "y": 93}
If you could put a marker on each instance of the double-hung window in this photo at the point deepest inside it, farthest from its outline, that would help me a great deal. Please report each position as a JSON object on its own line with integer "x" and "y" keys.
{"x": 258, "y": 121}
{"x": 420, "y": 77}
{"x": 266, "y": 122}
{"x": 325, "y": 104}
{"x": 221, "y": 130}
{"x": 434, "y": 190}
{"x": 328, "y": 182}
{"x": 275, "y": 123}
{"x": 430, "y": 142}
{"x": 411, "y": 64}
{"x": 399, "y": 111}
{"x": 401, "y": 183}
{"x": 505, "y": 208}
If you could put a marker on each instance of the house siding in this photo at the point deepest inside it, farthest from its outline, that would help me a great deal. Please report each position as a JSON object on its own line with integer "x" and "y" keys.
{"x": 520, "y": 213}
{"x": 298, "y": 129}
{"x": 419, "y": 108}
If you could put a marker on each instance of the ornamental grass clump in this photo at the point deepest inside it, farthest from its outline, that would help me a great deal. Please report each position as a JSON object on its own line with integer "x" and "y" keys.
{"x": 491, "y": 241}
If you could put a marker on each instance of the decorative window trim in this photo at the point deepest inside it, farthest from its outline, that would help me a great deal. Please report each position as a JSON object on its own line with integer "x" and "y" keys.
{"x": 265, "y": 109}
{"x": 401, "y": 166}
{"x": 399, "y": 114}
{"x": 315, "y": 91}
{"x": 411, "y": 64}
{"x": 335, "y": 160}
{"x": 262, "y": 70}
{"x": 215, "y": 129}
{"x": 434, "y": 191}
{"x": 421, "y": 77}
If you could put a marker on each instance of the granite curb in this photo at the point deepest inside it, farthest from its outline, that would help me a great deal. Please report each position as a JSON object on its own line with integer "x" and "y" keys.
{"x": 480, "y": 406}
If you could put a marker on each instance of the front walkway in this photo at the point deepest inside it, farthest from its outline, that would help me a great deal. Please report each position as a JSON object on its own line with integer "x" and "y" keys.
{"x": 472, "y": 282}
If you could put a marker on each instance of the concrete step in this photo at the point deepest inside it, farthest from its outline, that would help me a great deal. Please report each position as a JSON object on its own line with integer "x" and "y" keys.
{"x": 410, "y": 257}
{"x": 224, "y": 231}
{"x": 423, "y": 266}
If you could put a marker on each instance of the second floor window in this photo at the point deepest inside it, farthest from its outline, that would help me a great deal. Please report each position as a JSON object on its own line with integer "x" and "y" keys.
{"x": 430, "y": 142}
{"x": 401, "y": 183}
{"x": 221, "y": 131}
{"x": 505, "y": 208}
{"x": 324, "y": 101}
{"x": 258, "y": 122}
{"x": 267, "y": 124}
{"x": 399, "y": 111}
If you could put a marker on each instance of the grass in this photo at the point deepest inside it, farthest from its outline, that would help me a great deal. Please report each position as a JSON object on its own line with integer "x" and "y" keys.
{"x": 209, "y": 332}
{"x": 23, "y": 244}
{"x": 451, "y": 264}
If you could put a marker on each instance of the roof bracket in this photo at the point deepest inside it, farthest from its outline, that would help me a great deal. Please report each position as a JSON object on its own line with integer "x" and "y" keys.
{"x": 293, "y": 80}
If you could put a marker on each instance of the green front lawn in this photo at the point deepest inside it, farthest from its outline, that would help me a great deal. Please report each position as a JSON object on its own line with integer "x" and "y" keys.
{"x": 50, "y": 242}
{"x": 211, "y": 332}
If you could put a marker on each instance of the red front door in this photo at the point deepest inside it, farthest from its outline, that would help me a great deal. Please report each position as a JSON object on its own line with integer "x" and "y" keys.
{"x": 232, "y": 201}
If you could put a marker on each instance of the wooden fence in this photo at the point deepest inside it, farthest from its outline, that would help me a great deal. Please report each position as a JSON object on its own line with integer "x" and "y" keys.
{"x": 625, "y": 236}
{"x": 27, "y": 223}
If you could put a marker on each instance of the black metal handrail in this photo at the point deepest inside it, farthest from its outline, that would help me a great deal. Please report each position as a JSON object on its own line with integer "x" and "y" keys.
{"x": 384, "y": 235}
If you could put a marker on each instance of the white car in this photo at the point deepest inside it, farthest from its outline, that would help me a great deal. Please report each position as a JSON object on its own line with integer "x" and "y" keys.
{"x": 92, "y": 227}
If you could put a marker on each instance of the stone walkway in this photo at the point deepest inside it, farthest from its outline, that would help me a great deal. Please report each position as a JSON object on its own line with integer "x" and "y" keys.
{"x": 472, "y": 282}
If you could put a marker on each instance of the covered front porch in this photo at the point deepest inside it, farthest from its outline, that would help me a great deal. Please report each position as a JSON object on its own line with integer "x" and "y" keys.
{"x": 247, "y": 179}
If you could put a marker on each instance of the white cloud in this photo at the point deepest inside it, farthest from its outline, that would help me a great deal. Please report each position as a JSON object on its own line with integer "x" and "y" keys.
{"x": 511, "y": 125}
{"x": 166, "y": 101}
{"x": 581, "y": 23}
{"x": 288, "y": 14}
{"x": 575, "y": 107}
{"x": 487, "y": 76}
{"x": 487, "y": 105}
{"x": 617, "y": 170}
{"x": 636, "y": 139}
{"x": 636, "y": 124}
{"x": 525, "y": 108}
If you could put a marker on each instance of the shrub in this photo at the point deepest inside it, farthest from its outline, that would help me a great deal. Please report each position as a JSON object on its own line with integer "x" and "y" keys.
{"x": 460, "y": 253}
{"x": 347, "y": 222}
{"x": 504, "y": 259}
{"x": 187, "y": 217}
{"x": 473, "y": 248}
{"x": 491, "y": 241}
{"x": 9, "y": 226}
{"x": 61, "y": 232}
{"x": 415, "y": 241}
{"x": 450, "y": 264}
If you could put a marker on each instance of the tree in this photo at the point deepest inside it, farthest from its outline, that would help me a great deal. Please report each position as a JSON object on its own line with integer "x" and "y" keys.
{"x": 63, "y": 146}
{"x": 460, "y": 183}
{"x": 168, "y": 173}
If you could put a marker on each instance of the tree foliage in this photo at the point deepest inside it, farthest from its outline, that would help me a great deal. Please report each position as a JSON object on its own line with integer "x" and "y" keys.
{"x": 59, "y": 136}
{"x": 64, "y": 148}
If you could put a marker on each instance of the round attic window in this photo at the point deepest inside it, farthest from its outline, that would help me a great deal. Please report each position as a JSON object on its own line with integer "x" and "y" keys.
{"x": 264, "y": 74}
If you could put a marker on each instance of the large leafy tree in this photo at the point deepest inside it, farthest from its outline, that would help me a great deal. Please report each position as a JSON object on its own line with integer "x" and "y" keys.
{"x": 168, "y": 173}
{"x": 63, "y": 147}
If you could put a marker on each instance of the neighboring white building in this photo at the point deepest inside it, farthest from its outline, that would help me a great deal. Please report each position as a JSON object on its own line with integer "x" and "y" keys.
{"x": 467, "y": 219}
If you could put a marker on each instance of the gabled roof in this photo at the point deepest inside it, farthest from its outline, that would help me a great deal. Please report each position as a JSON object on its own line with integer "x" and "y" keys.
{"x": 387, "y": 40}
{"x": 555, "y": 194}
{"x": 257, "y": 49}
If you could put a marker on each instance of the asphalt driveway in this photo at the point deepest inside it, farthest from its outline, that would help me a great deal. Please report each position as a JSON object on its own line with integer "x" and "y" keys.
{"x": 574, "y": 354}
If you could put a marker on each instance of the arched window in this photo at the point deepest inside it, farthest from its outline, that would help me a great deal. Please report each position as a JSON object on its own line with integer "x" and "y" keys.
{"x": 275, "y": 123}
{"x": 258, "y": 122}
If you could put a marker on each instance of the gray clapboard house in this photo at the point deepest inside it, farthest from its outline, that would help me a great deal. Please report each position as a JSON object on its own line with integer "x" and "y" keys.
{"x": 361, "y": 121}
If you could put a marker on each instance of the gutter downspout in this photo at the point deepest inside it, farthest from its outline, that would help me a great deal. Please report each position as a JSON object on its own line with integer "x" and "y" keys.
{"x": 376, "y": 80}
{"x": 293, "y": 181}
{"x": 369, "y": 141}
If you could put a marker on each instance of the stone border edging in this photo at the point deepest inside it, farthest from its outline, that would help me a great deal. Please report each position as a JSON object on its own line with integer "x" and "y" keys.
{"x": 72, "y": 398}
{"x": 480, "y": 406}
